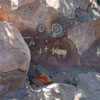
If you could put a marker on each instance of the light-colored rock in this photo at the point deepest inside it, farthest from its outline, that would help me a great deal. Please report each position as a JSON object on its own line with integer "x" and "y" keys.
{"x": 68, "y": 7}
{"x": 13, "y": 4}
{"x": 84, "y": 35}
{"x": 89, "y": 87}
{"x": 14, "y": 53}
{"x": 36, "y": 13}
{"x": 14, "y": 59}
{"x": 57, "y": 92}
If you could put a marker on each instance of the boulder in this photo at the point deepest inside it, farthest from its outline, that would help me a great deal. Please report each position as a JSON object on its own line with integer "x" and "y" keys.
{"x": 38, "y": 76}
{"x": 60, "y": 32}
{"x": 84, "y": 35}
{"x": 14, "y": 58}
{"x": 54, "y": 91}
{"x": 57, "y": 91}
{"x": 89, "y": 87}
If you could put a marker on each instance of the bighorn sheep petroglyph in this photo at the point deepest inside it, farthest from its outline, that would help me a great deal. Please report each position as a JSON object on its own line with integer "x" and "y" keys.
{"x": 59, "y": 52}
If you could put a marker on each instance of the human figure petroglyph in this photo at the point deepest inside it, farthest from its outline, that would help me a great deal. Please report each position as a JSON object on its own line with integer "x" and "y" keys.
{"x": 98, "y": 51}
{"x": 40, "y": 51}
{"x": 46, "y": 48}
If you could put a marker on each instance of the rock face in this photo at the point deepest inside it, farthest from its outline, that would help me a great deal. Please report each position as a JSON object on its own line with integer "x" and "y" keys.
{"x": 57, "y": 91}
{"x": 13, "y": 4}
{"x": 14, "y": 56}
{"x": 60, "y": 32}
{"x": 60, "y": 37}
{"x": 54, "y": 91}
{"x": 38, "y": 76}
{"x": 89, "y": 87}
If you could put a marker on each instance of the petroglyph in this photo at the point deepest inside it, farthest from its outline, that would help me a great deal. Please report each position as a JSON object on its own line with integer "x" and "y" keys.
{"x": 31, "y": 43}
{"x": 40, "y": 51}
{"x": 98, "y": 52}
{"x": 59, "y": 52}
{"x": 46, "y": 48}
{"x": 28, "y": 37}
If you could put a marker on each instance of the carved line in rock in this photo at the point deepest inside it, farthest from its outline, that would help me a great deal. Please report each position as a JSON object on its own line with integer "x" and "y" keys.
{"x": 54, "y": 50}
{"x": 41, "y": 28}
{"x": 98, "y": 52}
{"x": 56, "y": 30}
{"x": 59, "y": 52}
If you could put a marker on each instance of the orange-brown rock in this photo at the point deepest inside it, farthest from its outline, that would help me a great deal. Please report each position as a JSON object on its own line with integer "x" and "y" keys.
{"x": 41, "y": 80}
{"x": 4, "y": 15}
{"x": 38, "y": 76}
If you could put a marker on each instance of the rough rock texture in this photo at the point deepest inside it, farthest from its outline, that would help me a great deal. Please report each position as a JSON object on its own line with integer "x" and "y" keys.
{"x": 14, "y": 56}
{"x": 57, "y": 91}
{"x": 38, "y": 76}
{"x": 52, "y": 92}
{"x": 11, "y": 81}
{"x": 59, "y": 32}
{"x": 13, "y": 4}
{"x": 14, "y": 51}
{"x": 67, "y": 44}
{"x": 84, "y": 35}
{"x": 78, "y": 31}
{"x": 88, "y": 89}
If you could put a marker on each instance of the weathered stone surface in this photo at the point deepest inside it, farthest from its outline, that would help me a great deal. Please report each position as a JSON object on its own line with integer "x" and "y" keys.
{"x": 13, "y": 4}
{"x": 52, "y": 52}
{"x": 57, "y": 91}
{"x": 52, "y": 92}
{"x": 36, "y": 13}
{"x": 14, "y": 59}
{"x": 83, "y": 10}
{"x": 38, "y": 76}
{"x": 84, "y": 35}
{"x": 87, "y": 37}
{"x": 89, "y": 87}
{"x": 11, "y": 81}
{"x": 77, "y": 28}
{"x": 14, "y": 51}
{"x": 91, "y": 57}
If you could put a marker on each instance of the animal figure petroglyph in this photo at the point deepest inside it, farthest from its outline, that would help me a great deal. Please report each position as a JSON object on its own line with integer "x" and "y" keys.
{"x": 98, "y": 52}
{"x": 59, "y": 52}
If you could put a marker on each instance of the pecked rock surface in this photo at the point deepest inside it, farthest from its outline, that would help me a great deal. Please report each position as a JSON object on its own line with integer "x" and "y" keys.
{"x": 14, "y": 59}
{"x": 79, "y": 29}
{"x": 60, "y": 32}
